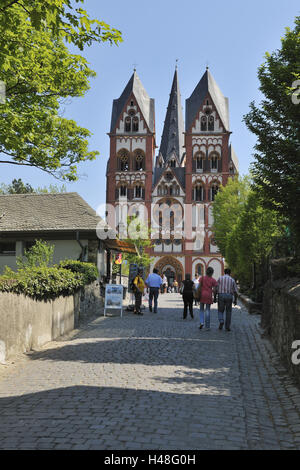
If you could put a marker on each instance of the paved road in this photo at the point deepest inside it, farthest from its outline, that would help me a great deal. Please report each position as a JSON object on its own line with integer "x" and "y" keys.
{"x": 151, "y": 382}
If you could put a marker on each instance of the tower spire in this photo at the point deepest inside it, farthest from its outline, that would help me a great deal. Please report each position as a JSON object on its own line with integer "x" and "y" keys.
{"x": 172, "y": 136}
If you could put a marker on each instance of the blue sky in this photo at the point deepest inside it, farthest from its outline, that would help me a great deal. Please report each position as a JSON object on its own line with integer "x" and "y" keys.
{"x": 231, "y": 37}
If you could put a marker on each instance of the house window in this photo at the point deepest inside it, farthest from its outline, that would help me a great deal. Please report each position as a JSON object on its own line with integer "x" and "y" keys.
{"x": 124, "y": 163}
{"x": 123, "y": 191}
{"x": 214, "y": 163}
{"x": 135, "y": 124}
{"x": 198, "y": 192}
{"x": 214, "y": 190}
{"x": 199, "y": 157}
{"x": 128, "y": 124}
{"x": 139, "y": 162}
{"x": 8, "y": 248}
{"x": 199, "y": 269}
{"x": 211, "y": 123}
{"x": 138, "y": 191}
{"x": 204, "y": 123}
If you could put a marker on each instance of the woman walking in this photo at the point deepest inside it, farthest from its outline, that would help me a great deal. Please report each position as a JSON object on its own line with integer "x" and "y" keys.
{"x": 208, "y": 286}
{"x": 187, "y": 291}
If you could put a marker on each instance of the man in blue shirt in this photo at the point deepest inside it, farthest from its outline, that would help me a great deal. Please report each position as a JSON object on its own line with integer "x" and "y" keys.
{"x": 154, "y": 282}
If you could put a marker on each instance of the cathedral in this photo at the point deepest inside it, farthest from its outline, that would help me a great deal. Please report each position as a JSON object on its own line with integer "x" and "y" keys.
{"x": 171, "y": 191}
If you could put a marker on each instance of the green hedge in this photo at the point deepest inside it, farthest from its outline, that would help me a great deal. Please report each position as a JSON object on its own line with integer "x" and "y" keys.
{"x": 44, "y": 282}
{"x": 88, "y": 270}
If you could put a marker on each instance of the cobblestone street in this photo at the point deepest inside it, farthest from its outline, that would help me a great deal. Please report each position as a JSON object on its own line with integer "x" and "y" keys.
{"x": 151, "y": 382}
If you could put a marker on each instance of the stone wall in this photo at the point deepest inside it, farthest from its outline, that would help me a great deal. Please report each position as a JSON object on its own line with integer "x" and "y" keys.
{"x": 26, "y": 323}
{"x": 281, "y": 318}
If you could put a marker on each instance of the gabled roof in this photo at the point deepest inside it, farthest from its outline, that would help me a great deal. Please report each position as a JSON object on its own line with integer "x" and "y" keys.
{"x": 179, "y": 173}
{"x": 172, "y": 137}
{"x": 46, "y": 212}
{"x": 207, "y": 85}
{"x": 146, "y": 104}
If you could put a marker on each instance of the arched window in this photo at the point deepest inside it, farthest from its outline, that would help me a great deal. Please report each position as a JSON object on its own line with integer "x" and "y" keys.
{"x": 138, "y": 191}
{"x": 135, "y": 124}
{"x": 203, "y": 123}
{"x": 123, "y": 191}
{"x": 214, "y": 158}
{"x": 211, "y": 123}
{"x": 214, "y": 189}
{"x": 199, "y": 157}
{"x": 173, "y": 163}
{"x": 123, "y": 160}
{"x": 198, "y": 192}
{"x": 139, "y": 162}
{"x": 128, "y": 124}
{"x": 199, "y": 269}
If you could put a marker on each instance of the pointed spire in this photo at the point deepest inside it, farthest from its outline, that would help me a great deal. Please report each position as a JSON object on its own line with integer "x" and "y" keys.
{"x": 207, "y": 85}
{"x": 146, "y": 104}
{"x": 172, "y": 137}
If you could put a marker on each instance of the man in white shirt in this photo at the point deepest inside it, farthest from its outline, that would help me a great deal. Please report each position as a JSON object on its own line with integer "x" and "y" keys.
{"x": 227, "y": 292}
{"x": 154, "y": 282}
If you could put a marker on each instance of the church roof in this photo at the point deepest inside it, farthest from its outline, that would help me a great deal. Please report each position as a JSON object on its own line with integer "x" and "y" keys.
{"x": 172, "y": 137}
{"x": 146, "y": 104}
{"x": 207, "y": 85}
{"x": 179, "y": 172}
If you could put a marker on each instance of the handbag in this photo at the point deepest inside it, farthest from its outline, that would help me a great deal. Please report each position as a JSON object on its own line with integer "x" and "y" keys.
{"x": 198, "y": 291}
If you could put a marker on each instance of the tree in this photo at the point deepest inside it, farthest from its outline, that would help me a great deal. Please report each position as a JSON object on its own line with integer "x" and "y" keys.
{"x": 18, "y": 187}
{"x": 276, "y": 123}
{"x": 140, "y": 237}
{"x": 227, "y": 207}
{"x": 251, "y": 240}
{"x": 40, "y": 73}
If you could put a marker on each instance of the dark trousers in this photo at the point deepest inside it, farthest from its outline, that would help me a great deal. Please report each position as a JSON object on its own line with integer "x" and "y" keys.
{"x": 188, "y": 304}
{"x": 225, "y": 304}
{"x": 154, "y": 292}
{"x": 138, "y": 301}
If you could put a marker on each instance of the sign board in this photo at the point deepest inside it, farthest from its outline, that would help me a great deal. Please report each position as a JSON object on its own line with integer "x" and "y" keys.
{"x": 133, "y": 270}
{"x": 113, "y": 297}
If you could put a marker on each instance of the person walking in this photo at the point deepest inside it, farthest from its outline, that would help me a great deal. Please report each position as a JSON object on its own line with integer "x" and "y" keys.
{"x": 227, "y": 293}
{"x": 165, "y": 283}
{"x": 154, "y": 282}
{"x": 175, "y": 286}
{"x": 196, "y": 284}
{"x": 187, "y": 290}
{"x": 138, "y": 290}
{"x": 208, "y": 287}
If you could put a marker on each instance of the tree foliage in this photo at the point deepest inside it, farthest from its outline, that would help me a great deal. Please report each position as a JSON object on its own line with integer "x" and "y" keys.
{"x": 17, "y": 186}
{"x": 245, "y": 230}
{"x": 227, "y": 208}
{"x": 276, "y": 123}
{"x": 139, "y": 236}
{"x": 40, "y": 73}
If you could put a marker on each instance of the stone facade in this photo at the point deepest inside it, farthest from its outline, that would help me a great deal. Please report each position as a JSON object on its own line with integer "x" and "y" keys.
{"x": 171, "y": 192}
{"x": 281, "y": 319}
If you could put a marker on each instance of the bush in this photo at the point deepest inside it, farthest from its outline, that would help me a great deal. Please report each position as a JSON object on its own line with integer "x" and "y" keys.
{"x": 40, "y": 254}
{"x": 88, "y": 270}
{"x": 42, "y": 282}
